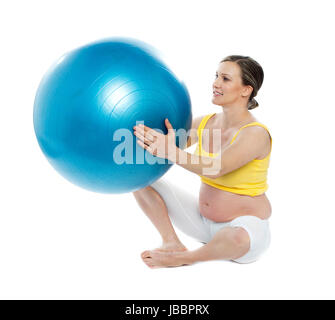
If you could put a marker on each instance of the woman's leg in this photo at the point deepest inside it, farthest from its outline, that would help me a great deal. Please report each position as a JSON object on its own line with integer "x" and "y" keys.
{"x": 243, "y": 240}
{"x": 154, "y": 207}
{"x": 164, "y": 202}
{"x": 229, "y": 243}
{"x": 168, "y": 205}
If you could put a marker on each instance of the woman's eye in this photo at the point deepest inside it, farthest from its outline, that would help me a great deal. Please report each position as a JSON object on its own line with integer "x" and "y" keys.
{"x": 224, "y": 78}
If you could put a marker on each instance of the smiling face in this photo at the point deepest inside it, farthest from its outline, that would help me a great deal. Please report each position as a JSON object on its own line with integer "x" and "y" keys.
{"x": 228, "y": 88}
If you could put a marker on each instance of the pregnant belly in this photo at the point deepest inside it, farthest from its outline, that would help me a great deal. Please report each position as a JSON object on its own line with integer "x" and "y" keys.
{"x": 222, "y": 206}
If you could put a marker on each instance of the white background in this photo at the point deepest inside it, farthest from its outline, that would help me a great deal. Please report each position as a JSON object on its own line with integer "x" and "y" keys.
{"x": 58, "y": 241}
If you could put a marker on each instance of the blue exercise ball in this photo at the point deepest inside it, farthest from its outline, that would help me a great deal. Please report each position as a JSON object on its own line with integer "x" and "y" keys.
{"x": 88, "y": 103}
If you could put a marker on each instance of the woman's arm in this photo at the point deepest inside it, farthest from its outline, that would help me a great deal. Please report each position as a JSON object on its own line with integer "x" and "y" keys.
{"x": 249, "y": 144}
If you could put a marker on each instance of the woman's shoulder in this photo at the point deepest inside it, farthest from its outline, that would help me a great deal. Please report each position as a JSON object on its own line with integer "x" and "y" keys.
{"x": 257, "y": 126}
{"x": 259, "y": 131}
{"x": 201, "y": 121}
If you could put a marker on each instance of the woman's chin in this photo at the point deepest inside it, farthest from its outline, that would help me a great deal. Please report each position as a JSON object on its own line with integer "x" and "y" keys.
{"x": 214, "y": 101}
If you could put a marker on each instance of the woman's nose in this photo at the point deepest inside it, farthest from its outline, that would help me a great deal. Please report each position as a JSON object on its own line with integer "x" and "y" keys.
{"x": 216, "y": 84}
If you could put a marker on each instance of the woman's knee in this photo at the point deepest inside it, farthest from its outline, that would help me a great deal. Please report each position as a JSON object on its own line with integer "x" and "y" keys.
{"x": 148, "y": 196}
{"x": 241, "y": 237}
{"x": 141, "y": 192}
{"x": 236, "y": 237}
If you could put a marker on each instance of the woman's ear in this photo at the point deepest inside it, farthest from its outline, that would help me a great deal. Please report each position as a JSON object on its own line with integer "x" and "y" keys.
{"x": 247, "y": 91}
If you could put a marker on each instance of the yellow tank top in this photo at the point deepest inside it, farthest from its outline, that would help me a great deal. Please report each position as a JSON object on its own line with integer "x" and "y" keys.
{"x": 250, "y": 179}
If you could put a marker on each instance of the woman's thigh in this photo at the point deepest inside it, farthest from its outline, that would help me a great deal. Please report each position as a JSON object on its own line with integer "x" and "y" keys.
{"x": 183, "y": 209}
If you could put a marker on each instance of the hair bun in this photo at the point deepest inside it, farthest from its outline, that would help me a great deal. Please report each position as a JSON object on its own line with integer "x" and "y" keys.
{"x": 252, "y": 104}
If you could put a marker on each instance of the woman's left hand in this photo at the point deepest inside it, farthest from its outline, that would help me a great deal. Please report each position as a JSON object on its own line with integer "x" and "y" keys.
{"x": 158, "y": 144}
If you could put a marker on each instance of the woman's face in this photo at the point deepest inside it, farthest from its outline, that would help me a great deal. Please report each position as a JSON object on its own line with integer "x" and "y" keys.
{"x": 227, "y": 87}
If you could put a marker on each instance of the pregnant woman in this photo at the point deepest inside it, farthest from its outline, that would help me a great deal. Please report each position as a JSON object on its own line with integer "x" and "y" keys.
{"x": 231, "y": 214}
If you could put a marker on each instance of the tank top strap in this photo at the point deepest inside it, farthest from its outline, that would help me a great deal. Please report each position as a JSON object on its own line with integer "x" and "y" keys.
{"x": 201, "y": 127}
{"x": 251, "y": 125}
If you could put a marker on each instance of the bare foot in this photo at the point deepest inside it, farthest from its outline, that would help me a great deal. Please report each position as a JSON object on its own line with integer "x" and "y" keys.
{"x": 171, "y": 247}
{"x": 160, "y": 259}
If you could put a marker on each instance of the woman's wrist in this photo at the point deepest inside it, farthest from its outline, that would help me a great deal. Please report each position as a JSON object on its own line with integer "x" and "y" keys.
{"x": 204, "y": 166}
{"x": 175, "y": 155}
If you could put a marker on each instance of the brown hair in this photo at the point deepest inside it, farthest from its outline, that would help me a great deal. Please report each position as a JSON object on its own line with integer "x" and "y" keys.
{"x": 252, "y": 75}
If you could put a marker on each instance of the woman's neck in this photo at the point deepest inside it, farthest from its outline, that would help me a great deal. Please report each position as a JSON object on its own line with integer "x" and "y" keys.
{"x": 233, "y": 117}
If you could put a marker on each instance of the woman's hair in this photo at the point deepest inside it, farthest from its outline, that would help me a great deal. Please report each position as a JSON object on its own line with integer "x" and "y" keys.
{"x": 252, "y": 75}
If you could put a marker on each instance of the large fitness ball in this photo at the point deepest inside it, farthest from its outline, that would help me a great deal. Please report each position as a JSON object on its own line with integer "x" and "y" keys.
{"x": 87, "y": 104}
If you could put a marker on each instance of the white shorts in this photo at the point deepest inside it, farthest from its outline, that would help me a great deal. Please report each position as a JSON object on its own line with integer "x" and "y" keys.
{"x": 183, "y": 210}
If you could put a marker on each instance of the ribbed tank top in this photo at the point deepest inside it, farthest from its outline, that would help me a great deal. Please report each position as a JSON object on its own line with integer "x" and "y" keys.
{"x": 250, "y": 179}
